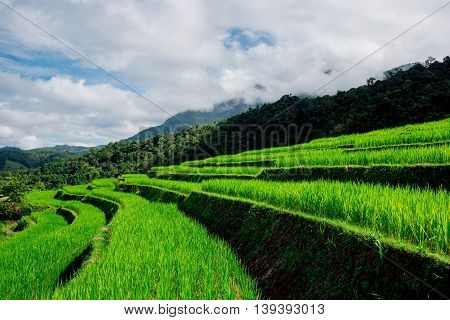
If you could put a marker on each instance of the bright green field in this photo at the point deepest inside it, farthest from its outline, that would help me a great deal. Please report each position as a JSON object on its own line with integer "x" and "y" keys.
{"x": 327, "y": 157}
{"x": 418, "y": 217}
{"x": 323, "y": 152}
{"x": 208, "y": 170}
{"x": 155, "y": 252}
{"x": 428, "y": 132}
{"x": 152, "y": 250}
{"x": 180, "y": 186}
{"x": 31, "y": 261}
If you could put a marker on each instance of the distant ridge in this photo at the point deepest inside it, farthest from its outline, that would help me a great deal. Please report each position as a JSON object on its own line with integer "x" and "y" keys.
{"x": 65, "y": 148}
{"x": 15, "y": 159}
{"x": 189, "y": 118}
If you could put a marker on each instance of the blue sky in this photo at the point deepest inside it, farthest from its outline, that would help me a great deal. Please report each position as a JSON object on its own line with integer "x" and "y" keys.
{"x": 246, "y": 39}
{"x": 45, "y": 64}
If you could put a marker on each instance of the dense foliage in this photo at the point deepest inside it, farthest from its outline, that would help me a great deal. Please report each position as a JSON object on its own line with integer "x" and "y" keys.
{"x": 419, "y": 94}
{"x": 12, "y": 190}
{"x": 12, "y": 159}
{"x": 117, "y": 158}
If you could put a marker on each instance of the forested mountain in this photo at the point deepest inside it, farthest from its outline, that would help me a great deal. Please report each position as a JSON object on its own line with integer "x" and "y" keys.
{"x": 189, "y": 118}
{"x": 64, "y": 148}
{"x": 421, "y": 93}
{"x": 13, "y": 159}
{"x": 116, "y": 158}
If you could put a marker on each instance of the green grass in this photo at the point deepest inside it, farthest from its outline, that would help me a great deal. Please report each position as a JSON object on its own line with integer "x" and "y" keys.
{"x": 420, "y": 155}
{"x": 431, "y": 132}
{"x": 208, "y": 170}
{"x": 104, "y": 183}
{"x": 6, "y": 229}
{"x": 81, "y": 189}
{"x": 419, "y": 217}
{"x": 428, "y": 132}
{"x": 180, "y": 186}
{"x": 31, "y": 261}
{"x": 423, "y": 155}
{"x": 155, "y": 252}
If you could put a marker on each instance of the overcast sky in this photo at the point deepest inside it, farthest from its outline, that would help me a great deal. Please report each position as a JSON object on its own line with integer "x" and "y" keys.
{"x": 189, "y": 55}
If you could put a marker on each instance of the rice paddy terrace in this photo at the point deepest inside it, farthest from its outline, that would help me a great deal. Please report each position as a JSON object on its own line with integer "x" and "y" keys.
{"x": 356, "y": 216}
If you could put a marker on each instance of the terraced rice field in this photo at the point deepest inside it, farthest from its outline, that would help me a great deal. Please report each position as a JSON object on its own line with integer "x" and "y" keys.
{"x": 157, "y": 253}
{"x": 32, "y": 261}
{"x": 325, "y": 157}
{"x": 134, "y": 264}
{"x": 240, "y": 170}
{"x": 180, "y": 186}
{"x": 418, "y": 217}
{"x": 429, "y": 132}
{"x": 226, "y": 238}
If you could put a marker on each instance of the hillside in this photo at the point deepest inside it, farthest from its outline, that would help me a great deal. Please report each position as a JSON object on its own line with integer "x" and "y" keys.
{"x": 412, "y": 96}
{"x": 15, "y": 159}
{"x": 188, "y": 118}
{"x": 416, "y": 95}
{"x": 335, "y": 218}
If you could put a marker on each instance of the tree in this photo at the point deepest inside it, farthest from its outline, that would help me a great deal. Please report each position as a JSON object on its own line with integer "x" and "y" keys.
{"x": 430, "y": 60}
{"x": 13, "y": 205}
{"x": 371, "y": 81}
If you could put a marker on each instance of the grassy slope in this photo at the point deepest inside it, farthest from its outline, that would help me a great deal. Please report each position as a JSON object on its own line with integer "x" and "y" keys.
{"x": 179, "y": 186}
{"x": 32, "y": 261}
{"x": 155, "y": 252}
{"x": 208, "y": 170}
{"x": 420, "y": 217}
{"x": 329, "y": 157}
{"x": 319, "y": 152}
{"x": 415, "y": 133}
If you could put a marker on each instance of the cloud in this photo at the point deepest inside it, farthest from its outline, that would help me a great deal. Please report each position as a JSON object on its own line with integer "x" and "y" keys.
{"x": 62, "y": 110}
{"x": 189, "y": 54}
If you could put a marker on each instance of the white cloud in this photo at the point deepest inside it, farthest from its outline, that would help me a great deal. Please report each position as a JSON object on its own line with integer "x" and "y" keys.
{"x": 5, "y": 132}
{"x": 174, "y": 52}
{"x": 61, "y": 110}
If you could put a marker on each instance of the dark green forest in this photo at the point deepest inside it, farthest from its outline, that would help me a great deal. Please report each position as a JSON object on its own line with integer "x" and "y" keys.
{"x": 419, "y": 94}
{"x": 12, "y": 159}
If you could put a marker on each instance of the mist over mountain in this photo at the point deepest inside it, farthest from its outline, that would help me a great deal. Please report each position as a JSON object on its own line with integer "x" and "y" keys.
{"x": 189, "y": 118}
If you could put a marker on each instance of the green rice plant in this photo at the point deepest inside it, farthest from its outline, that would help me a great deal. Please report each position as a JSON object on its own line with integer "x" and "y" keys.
{"x": 155, "y": 252}
{"x": 329, "y": 157}
{"x": 134, "y": 176}
{"x": 180, "y": 186}
{"x": 432, "y": 132}
{"x": 418, "y": 217}
{"x": 32, "y": 261}
{"x": 428, "y": 132}
{"x": 104, "y": 183}
{"x": 208, "y": 170}
{"x": 77, "y": 190}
